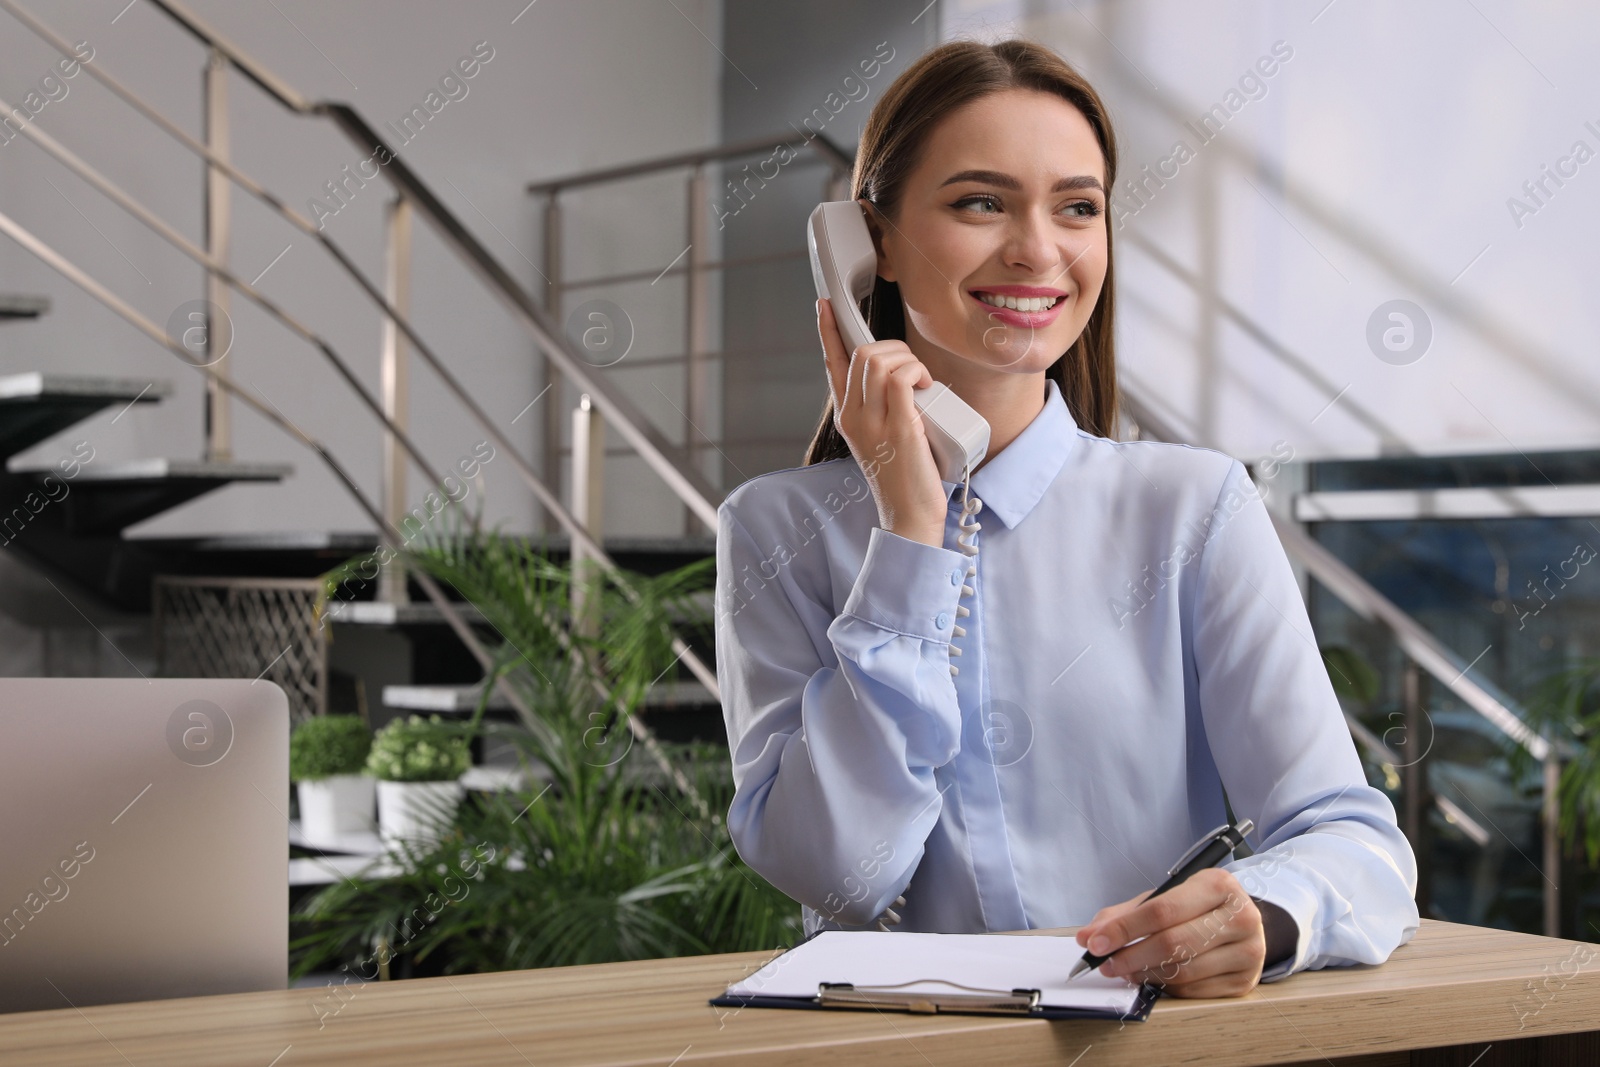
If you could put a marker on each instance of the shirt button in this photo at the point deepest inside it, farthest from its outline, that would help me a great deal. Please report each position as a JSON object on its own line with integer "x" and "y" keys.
{"x": 955, "y": 576}
{"x": 941, "y": 620}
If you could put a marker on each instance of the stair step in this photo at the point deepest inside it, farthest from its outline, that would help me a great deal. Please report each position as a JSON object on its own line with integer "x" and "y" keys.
{"x": 463, "y": 699}
{"x": 34, "y": 385}
{"x": 118, "y": 568}
{"x": 380, "y": 613}
{"x": 107, "y": 497}
{"x": 21, "y": 306}
{"x": 35, "y": 406}
{"x": 160, "y": 469}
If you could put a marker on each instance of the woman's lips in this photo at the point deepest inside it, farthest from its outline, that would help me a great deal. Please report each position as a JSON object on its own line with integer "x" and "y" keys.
{"x": 1028, "y": 320}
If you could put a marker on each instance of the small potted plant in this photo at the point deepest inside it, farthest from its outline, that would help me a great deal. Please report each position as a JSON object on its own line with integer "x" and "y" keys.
{"x": 327, "y": 758}
{"x": 418, "y": 764}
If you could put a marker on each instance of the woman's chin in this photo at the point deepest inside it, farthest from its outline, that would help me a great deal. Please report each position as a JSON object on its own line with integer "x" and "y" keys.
{"x": 1017, "y": 351}
{"x": 1003, "y": 349}
{"x": 992, "y": 362}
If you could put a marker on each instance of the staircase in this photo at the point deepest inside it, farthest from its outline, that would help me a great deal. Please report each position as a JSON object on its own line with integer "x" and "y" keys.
{"x": 68, "y": 517}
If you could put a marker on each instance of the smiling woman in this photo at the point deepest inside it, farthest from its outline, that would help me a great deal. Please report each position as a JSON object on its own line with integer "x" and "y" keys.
{"x": 983, "y": 104}
{"x": 877, "y": 783}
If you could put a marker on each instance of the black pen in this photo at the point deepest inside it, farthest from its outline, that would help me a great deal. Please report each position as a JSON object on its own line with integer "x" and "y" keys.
{"x": 1209, "y": 851}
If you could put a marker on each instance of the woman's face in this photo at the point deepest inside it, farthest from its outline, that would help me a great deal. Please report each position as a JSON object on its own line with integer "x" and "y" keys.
{"x": 1007, "y": 205}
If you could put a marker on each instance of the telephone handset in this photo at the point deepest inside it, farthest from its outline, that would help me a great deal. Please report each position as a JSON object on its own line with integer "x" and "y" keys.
{"x": 843, "y": 265}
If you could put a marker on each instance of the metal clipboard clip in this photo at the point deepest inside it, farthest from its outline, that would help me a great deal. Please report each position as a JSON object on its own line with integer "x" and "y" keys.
{"x": 1233, "y": 834}
{"x": 986, "y": 1001}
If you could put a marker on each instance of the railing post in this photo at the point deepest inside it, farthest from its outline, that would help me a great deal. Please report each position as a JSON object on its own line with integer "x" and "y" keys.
{"x": 1551, "y": 818}
{"x": 553, "y": 406}
{"x": 1414, "y": 776}
{"x": 396, "y": 386}
{"x": 214, "y": 106}
{"x": 588, "y": 488}
{"x": 698, "y": 335}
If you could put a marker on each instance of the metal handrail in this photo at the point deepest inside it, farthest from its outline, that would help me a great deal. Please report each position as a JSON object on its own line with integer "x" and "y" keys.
{"x": 1271, "y": 345}
{"x": 620, "y": 413}
{"x": 1390, "y": 761}
{"x": 389, "y": 534}
{"x": 709, "y": 265}
{"x": 270, "y": 83}
{"x": 830, "y": 153}
{"x": 651, "y": 445}
{"x": 166, "y": 232}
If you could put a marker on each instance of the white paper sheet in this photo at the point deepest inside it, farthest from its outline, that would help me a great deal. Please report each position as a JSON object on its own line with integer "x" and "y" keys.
{"x": 989, "y": 962}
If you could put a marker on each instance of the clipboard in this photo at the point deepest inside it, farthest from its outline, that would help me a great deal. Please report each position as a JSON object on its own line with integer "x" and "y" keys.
{"x": 923, "y": 973}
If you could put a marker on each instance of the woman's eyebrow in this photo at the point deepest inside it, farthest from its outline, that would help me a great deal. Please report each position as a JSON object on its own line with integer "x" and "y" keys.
{"x": 1006, "y": 181}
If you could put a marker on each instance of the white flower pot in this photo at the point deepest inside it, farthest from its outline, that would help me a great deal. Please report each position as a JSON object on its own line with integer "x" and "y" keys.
{"x": 336, "y": 806}
{"x": 414, "y": 810}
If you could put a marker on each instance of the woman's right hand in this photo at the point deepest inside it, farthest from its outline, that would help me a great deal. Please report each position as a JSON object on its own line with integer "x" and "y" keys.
{"x": 874, "y": 411}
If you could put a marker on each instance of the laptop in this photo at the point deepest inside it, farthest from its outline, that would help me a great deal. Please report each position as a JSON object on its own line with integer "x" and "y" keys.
{"x": 144, "y": 839}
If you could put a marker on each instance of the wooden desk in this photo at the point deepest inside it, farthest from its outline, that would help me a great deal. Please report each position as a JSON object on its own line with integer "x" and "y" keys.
{"x": 1452, "y": 985}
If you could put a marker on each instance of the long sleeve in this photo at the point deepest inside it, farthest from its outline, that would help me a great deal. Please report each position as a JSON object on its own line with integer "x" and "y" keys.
{"x": 836, "y": 722}
{"x": 1331, "y": 853}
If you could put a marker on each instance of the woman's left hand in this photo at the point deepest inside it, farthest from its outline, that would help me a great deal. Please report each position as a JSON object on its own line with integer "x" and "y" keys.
{"x": 1202, "y": 938}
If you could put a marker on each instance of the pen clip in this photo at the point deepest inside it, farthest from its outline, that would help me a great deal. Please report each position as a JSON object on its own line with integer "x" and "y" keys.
{"x": 1226, "y": 830}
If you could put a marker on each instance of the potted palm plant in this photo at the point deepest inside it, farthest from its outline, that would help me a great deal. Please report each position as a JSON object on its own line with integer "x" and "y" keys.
{"x": 327, "y": 758}
{"x": 418, "y": 764}
{"x": 613, "y": 850}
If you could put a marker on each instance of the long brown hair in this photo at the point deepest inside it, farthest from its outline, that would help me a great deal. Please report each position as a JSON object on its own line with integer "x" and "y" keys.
{"x": 940, "y": 81}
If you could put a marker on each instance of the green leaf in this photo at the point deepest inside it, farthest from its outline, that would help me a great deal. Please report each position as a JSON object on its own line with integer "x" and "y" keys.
{"x": 1353, "y": 677}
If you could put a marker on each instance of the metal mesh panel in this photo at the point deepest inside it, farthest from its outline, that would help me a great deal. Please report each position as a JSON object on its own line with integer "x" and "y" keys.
{"x": 246, "y": 628}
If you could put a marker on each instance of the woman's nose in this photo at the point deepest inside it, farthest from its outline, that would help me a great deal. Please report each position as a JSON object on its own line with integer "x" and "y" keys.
{"x": 1035, "y": 245}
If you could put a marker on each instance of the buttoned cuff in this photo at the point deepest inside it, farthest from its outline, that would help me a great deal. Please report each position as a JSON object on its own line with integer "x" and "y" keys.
{"x": 908, "y": 586}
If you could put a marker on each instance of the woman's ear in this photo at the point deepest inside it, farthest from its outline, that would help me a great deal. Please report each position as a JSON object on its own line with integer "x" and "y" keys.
{"x": 875, "y": 226}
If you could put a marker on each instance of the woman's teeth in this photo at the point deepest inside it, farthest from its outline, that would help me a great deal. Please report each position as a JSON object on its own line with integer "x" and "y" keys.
{"x": 1019, "y": 303}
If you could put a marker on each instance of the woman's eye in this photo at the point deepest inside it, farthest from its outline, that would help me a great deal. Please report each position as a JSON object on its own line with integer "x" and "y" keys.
{"x": 1080, "y": 209}
{"x": 978, "y": 199}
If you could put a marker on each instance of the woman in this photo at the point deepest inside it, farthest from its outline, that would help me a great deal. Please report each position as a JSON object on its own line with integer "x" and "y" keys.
{"x": 1018, "y": 738}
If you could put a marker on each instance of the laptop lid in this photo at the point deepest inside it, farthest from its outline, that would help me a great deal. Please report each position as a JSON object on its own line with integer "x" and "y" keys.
{"x": 144, "y": 846}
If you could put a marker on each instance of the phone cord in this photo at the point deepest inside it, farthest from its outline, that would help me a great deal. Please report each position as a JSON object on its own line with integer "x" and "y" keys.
{"x": 969, "y": 529}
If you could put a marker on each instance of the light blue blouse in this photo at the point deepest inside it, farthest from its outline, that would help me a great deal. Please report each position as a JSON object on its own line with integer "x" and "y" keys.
{"x": 1136, "y": 643}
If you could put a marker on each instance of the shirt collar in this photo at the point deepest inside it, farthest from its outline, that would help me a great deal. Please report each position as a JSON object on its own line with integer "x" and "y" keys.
{"x": 1012, "y": 482}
